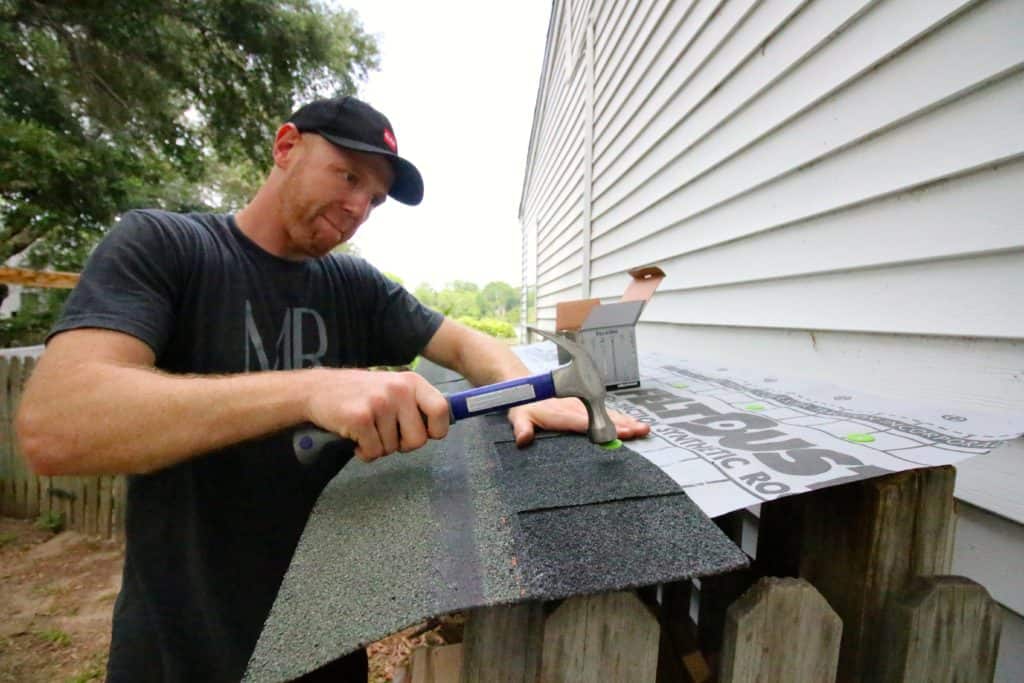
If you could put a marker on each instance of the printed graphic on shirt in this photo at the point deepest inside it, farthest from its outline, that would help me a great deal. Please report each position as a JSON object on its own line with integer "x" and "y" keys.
{"x": 300, "y": 342}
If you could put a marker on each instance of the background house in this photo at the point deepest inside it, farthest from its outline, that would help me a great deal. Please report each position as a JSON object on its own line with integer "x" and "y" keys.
{"x": 834, "y": 189}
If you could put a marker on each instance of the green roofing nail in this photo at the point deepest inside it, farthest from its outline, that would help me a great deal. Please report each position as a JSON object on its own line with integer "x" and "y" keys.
{"x": 860, "y": 438}
{"x": 611, "y": 445}
{"x": 754, "y": 407}
{"x": 680, "y": 385}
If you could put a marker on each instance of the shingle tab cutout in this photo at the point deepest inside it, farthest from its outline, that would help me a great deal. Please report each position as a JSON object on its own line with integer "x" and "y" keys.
{"x": 471, "y": 521}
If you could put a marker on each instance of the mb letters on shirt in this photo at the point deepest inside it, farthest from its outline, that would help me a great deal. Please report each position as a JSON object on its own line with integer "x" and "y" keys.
{"x": 294, "y": 348}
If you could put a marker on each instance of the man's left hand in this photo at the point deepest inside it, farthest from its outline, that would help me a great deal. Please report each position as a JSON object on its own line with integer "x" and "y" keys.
{"x": 565, "y": 415}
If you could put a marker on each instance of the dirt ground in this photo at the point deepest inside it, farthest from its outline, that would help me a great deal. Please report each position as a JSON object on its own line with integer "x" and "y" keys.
{"x": 57, "y": 594}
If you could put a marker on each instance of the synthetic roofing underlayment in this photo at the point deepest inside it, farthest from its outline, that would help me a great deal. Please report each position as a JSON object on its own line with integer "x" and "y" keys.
{"x": 472, "y": 521}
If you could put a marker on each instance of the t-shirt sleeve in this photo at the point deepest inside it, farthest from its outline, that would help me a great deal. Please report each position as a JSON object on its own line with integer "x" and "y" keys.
{"x": 131, "y": 282}
{"x": 401, "y": 326}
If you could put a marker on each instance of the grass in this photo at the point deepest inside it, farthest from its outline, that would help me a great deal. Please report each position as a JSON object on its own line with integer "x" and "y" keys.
{"x": 6, "y": 538}
{"x": 51, "y": 521}
{"x": 96, "y": 670}
{"x": 107, "y": 597}
{"x": 55, "y": 636}
{"x": 51, "y": 590}
{"x": 93, "y": 673}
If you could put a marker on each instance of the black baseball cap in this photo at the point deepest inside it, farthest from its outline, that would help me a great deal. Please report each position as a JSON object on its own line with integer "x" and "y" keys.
{"x": 351, "y": 123}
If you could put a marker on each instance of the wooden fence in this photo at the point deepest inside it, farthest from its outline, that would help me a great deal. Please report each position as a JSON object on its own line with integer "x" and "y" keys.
{"x": 868, "y": 599}
{"x": 849, "y": 585}
{"x": 91, "y": 505}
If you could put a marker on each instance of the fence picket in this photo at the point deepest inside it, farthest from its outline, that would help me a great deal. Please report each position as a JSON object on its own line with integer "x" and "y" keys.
{"x": 6, "y": 441}
{"x": 91, "y": 505}
{"x": 20, "y": 475}
{"x": 103, "y": 505}
{"x": 31, "y": 481}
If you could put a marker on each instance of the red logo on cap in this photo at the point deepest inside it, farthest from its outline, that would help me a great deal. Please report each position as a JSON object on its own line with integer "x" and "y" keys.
{"x": 389, "y": 140}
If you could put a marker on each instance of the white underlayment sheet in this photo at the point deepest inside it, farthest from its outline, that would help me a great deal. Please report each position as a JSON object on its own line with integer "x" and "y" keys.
{"x": 732, "y": 438}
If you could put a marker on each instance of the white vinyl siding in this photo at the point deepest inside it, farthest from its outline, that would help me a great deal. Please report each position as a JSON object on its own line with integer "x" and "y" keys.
{"x": 834, "y": 188}
{"x": 757, "y": 150}
{"x": 557, "y": 173}
{"x": 831, "y": 186}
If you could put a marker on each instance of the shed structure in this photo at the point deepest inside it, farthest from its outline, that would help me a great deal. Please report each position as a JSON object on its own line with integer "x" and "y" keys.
{"x": 832, "y": 188}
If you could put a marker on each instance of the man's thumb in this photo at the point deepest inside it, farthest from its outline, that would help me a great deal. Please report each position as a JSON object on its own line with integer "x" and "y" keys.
{"x": 522, "y": 429}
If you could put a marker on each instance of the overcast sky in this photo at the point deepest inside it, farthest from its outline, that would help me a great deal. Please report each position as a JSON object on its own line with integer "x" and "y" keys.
{"x": 458, "y": 81}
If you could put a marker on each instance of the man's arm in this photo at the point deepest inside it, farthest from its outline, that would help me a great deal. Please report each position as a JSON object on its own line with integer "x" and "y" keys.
{"x": 95, "y": 405}
{"x": 480, "y": 358}
{"x": 484, "y": 360}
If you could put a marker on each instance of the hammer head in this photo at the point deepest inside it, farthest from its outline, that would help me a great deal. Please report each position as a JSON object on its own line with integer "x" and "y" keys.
{"x": 581, "y": 378}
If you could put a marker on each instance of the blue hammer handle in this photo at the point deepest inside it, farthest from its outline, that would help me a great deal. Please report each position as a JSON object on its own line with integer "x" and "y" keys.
{"x": 308, "y": 442}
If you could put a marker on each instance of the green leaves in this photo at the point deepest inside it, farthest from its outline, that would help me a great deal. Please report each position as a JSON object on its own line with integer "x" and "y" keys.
{"x": 496, "y": 306}
{"x": 107, "y": 106}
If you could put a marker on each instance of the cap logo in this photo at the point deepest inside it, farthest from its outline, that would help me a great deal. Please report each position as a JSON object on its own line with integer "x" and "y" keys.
{"x": 389, "y": 140}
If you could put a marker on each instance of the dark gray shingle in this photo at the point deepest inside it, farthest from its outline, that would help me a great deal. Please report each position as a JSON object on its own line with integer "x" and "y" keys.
{"x": 472, "y": 521}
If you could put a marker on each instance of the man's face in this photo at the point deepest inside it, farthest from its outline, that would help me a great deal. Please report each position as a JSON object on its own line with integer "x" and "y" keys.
{"x": 328, "y": 193}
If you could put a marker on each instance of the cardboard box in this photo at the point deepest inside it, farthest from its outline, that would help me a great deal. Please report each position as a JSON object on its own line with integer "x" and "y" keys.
{"x": 608, "y": 331}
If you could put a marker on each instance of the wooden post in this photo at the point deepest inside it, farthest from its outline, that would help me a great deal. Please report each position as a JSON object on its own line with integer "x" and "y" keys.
{"x": 439, "y": 664}
{"x": 106, "y": 523}
{"x": 719, "y": 591}
{"x": 32, "y": 482}
{"x": 779, "y": 533}
{"x": 943, "y": 629}
{"x": 612, "y": 638}
{"x": 781, "y": 631}
{"x": 119, "y": 502}
{"x": 20, "y": 474}
{"x": 6, "y": 440}
{"x": 503, "y": 644}
{"x": 716, "y": 594}
{"x": 679, "y": 659}
{"x": 860, "y": 544}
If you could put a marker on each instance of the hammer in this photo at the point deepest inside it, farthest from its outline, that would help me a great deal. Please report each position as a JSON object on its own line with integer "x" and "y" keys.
{"x": 579, "y": 378}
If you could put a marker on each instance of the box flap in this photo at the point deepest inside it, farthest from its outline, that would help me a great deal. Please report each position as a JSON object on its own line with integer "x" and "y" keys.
{"x": 622, "y": 313}
{"x": 645, "y": 280}
{"x": 569, "y": 315}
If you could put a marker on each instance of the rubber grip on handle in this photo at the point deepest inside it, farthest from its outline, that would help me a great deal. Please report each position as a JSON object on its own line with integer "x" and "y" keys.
{"x": 309, "y": 443}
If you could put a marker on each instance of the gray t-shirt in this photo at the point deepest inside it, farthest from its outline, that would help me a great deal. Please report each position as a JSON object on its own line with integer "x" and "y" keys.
{"x": 209, "y": 539}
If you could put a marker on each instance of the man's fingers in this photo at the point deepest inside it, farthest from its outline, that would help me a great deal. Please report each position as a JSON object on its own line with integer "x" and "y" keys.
{"x": 434, "y": 408}
{"x": 387, "y": 429}
{"x": 368, "y": 444}
{"x": 628, "y": 427}
{"x": 413, "y": 428}
{"x": 566, "y": 415}
{"x": 522, "y": 428}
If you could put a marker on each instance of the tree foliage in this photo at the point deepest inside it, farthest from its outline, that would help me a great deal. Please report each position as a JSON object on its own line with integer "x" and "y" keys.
{"x": 106, "y": 106}
{"x": 494, "y": 309}
{"x": 500, "y": 297}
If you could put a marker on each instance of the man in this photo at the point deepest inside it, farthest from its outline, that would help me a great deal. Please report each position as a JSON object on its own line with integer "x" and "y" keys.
{"x": 157, "y": 370}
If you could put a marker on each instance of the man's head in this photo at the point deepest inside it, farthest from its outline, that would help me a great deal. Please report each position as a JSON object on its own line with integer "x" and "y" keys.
{"x": 354, "y": 125}
{"x": 335, "y": 161}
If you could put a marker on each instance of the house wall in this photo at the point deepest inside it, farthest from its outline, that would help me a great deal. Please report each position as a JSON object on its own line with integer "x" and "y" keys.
{"x": 833, "y": 188}
{"x": 553, "y": 197}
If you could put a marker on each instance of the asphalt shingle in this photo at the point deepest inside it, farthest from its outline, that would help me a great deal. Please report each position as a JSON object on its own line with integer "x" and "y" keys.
{"x": 471, "y": 521}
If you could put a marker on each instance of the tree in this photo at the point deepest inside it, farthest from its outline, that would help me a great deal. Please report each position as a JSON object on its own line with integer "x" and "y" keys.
{"x": 499, "y": 299}
{"x": 113, "y": 105}
{"x": 459, "y": 299}
{"x": 426, "y": 294}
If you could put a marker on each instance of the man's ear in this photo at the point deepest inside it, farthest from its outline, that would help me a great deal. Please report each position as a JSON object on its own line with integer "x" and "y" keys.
{"x": 285, "y": 143}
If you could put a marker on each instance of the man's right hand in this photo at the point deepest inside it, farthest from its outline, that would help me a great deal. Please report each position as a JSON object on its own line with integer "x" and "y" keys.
{"x": 382, "y": 412}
